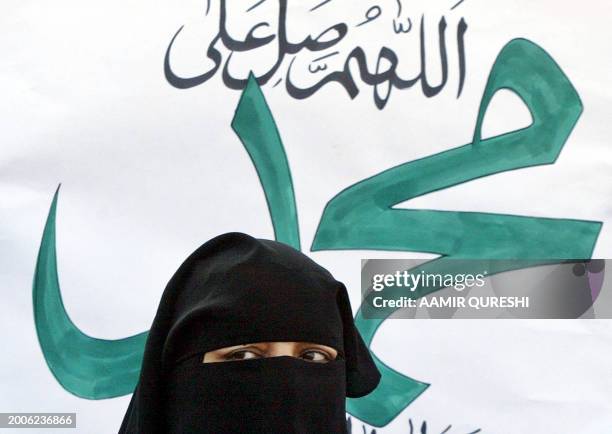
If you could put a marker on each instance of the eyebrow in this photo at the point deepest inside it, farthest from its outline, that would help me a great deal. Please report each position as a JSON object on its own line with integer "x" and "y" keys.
{"x": 299, "y": 344}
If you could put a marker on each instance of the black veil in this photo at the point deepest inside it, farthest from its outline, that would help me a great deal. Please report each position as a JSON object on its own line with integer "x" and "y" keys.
{"x": 236, "y": 289}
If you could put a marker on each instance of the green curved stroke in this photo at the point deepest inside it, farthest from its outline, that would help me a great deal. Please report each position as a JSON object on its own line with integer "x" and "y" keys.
{"x": 85, "y": 366}
{"x": 362, "y": 216}
{"x": 97, "y": 368}
{"x": 255, "y": 126}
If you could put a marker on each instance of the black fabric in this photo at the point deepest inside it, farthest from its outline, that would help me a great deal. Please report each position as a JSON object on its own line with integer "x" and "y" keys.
{"x": 267, "y": 395}
{"x": 236, "y": 289}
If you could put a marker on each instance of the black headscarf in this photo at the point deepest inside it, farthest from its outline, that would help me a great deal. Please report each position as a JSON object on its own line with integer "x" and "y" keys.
{"x": 236, "y": 289}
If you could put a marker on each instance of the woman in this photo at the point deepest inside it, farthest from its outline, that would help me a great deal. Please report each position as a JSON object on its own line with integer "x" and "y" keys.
{"x": 251, "y": 336}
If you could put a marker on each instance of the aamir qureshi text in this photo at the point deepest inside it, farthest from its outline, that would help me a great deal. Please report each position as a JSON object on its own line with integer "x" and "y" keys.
{"x": 475, "y": 302}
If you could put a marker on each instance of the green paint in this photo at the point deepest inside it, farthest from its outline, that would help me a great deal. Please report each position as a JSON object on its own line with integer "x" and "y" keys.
{"x": 85, "y": 366}
{"x": 97, "y": 368}
{"x": 362, "y": 216}
{"x": 255, "y": 126}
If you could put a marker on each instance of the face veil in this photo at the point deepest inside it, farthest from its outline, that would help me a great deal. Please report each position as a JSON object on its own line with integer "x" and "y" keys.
{"x": 236, "y": 289}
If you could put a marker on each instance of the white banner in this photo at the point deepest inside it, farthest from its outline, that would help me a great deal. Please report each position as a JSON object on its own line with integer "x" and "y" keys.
{"x": 129, "y": 105}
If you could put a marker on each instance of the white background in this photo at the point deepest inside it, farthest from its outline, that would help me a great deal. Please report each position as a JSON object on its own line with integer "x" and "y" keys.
{"x": 149, "y": 172}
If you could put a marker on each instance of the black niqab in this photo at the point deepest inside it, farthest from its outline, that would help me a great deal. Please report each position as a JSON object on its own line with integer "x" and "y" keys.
{"x": 236, "y": 289}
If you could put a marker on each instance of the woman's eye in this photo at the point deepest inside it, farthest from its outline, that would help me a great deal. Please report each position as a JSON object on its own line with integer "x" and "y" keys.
{"x": 242, "y": 355}
{"x": 316, "y": 356}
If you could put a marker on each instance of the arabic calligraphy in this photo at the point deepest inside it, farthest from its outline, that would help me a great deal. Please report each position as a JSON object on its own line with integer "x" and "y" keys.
{"x": 265, "y": 47}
